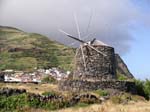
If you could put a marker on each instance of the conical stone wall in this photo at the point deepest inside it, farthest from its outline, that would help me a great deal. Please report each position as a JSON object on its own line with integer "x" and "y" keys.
{"x": 98, "y": 66}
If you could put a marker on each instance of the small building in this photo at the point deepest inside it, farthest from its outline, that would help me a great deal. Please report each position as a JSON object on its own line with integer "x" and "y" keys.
{"x": 9, "y": 71}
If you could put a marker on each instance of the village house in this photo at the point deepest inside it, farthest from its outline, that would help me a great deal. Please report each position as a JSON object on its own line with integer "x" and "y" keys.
{"x": 37, "y": 76}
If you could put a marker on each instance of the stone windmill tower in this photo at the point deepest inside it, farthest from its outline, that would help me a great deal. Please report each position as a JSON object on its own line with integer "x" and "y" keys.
{"x": 97, "y": 64}
{"x": 94, "y": 60}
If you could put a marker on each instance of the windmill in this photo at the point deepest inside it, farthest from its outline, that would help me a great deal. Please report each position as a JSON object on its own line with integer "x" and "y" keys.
{"x": 83, "y": 43}
{"x": 94, "y": 59}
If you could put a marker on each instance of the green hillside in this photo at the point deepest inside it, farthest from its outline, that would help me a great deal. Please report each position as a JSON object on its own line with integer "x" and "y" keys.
{"x": 25, "y": 51}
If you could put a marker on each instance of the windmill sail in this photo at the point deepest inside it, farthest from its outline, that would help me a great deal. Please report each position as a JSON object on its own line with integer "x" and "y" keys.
{"x": 81, "y": 41}
{"x": 88, "y": 44}
{"x": 79, "y": 35}
{"x": 75, "y": 38}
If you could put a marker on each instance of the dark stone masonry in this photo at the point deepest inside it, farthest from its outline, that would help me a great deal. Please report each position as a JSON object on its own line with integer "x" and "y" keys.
{"x": 10, "y": 91}
{"x": 98, "y": 67}
{"x": 80, "y": 85}
{"x": 1, "y": 77}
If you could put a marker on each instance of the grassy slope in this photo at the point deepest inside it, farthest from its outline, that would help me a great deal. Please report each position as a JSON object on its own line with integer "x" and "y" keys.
{"x": 35, "y": 50}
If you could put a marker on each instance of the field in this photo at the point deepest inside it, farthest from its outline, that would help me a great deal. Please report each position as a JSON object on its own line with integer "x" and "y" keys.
{"x": 109, "y": 107}
{"x": 105, "y": 107}
{"x": 31, "y": 88}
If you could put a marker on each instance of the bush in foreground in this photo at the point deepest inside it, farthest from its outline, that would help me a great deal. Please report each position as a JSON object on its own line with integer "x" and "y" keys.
{"x": 101, "y": 92}
{"x": 143, "y": 88}
{"x": 47, "y": 101}
{"x": 22, "y": 101}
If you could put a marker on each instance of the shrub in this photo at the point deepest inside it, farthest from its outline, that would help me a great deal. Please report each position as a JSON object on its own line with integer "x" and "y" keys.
{"x": 34, "y": 102}
{"x": 122, "y": 78}
{"x": 49, "y": 93}
{"x": 147, "y": 89}
{"x": 101, "y": 92}
{"x": 140, "y": 87}
{"x": 125, "y": 98}
{"x": 81, "y": 105}
{"x": 13, "y": 102}
{"x": 49, "y": 79}
{"x": 53, "y": 105}
{"x": 20, "y": 102}
{"x": 116, "y": 100}
{"x": 143, "y": 88}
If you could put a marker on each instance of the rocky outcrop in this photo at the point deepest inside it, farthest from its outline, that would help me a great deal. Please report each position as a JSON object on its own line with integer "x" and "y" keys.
{"x": 85, "y": 98}
{"x": 122, "y": 68}
{"x": 10, "y": 92}
{"x": 70, "y": 101}
{"x": 45, "y": 98}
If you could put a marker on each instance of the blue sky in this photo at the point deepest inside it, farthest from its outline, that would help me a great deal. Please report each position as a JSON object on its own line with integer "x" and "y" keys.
{"x": 138, "y": 58}
{"x": 123, "y": 24}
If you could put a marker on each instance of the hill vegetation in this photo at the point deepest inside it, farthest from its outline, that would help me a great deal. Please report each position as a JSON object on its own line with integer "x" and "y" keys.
{"x": 25, "y": 51}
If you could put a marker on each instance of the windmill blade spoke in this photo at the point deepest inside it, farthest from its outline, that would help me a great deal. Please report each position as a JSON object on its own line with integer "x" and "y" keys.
{"x": 60, "y": 30}
{"x": 77, "y": 25}
{"x": 83, "y": 57}
{"x": 91, "y": 15}
{"x": 79, "y": 35}
{"x": 87, "y": 36}
{"x": 77, "y": 51}
{"x": 73, "y": 43}
{"x": 75, "y": 38}
{"x": 81, "y": 41}
{"x": 96, "y": 50}
{"x": 93, "y": 41}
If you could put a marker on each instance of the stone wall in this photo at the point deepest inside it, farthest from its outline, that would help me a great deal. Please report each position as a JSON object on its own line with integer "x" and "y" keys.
{"x": 98, "y": 67}
{"x": 1, "y": 77}
{"x": 80, "y": 85}
{"x": 10, "y": 91}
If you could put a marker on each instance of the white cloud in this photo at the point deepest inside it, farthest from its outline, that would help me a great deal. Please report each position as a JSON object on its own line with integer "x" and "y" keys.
{"x": 111, "y": 22}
